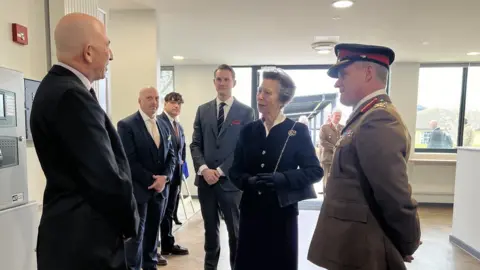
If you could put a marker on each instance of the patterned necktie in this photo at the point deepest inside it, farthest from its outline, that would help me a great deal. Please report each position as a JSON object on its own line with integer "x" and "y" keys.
{"x": 155, "y": 135}
{"x": 221, "y": 116}
{"x": 92, "y": 92}
{"x": 175, "y": 127}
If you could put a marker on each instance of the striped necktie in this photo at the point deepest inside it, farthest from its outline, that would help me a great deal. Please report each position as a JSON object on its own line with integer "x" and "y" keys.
{"x": 221, "y": 116}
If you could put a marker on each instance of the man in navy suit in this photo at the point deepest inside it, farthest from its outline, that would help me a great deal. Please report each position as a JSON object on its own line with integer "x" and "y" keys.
{"x": 217, "y": 126}
{"x": 148, "y": 145}
{"x": 172, "y": 106}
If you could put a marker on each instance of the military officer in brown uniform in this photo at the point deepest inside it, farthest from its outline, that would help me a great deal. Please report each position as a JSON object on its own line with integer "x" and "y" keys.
{"x": 329, "y": 135}
{"x": 368, "y": 219}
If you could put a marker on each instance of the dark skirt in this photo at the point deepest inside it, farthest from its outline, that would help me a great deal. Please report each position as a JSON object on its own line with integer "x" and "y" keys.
{"x": 268, "y": 240}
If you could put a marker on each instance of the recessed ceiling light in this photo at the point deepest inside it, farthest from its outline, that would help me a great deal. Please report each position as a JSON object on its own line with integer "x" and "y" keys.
{"x": 336, "y": 18}
{"x": 473, "y": 53}
{"x": 178, "y": 57}
{"x": 425, "y": 43}
{"x": 323, "y": 51}
{"x": 342, "y": 4}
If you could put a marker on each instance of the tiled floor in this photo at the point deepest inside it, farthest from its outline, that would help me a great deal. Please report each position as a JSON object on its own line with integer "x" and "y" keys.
{"x": 436, "y": 253}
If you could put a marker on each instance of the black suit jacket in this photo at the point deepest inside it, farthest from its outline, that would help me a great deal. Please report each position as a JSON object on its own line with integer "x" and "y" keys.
{"x": 143, "y": 155}
{"x": 179, "y": 146}
{"x": 88, "y": 202}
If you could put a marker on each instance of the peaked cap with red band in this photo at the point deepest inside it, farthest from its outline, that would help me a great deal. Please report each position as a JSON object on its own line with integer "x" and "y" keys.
{"x": 349, "y": 53}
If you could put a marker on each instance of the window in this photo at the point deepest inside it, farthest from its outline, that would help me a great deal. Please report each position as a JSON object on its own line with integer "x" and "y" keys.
{"x": 471, "y": 125}
{"x": 243, "y": 89}
{"x": 167, "y": 83}
{"x": 438, "y": 108}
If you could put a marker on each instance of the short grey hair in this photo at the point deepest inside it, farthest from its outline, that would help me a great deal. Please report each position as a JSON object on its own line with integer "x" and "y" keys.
{"x": 380, "y": 71}
{"x": 287, "y": 86}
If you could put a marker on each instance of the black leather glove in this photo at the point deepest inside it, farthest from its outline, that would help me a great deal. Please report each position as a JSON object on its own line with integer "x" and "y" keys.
{"x": 265, "y": 181}
{"x": 258, "y": 183}
{"x": 273, "y": 181}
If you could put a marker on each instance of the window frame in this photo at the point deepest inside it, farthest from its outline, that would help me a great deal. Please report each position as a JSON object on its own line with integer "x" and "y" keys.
{"x": 463, "y": 98}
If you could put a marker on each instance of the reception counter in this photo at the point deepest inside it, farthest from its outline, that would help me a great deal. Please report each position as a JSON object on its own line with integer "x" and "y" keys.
{"x": 466, "y": 207}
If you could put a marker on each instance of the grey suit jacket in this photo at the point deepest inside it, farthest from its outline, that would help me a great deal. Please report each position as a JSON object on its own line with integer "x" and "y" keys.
{"x": 213, "y": 148}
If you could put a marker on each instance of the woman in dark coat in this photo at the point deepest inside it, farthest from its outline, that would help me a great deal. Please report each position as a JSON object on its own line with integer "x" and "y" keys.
{"x": 276, "y": 166}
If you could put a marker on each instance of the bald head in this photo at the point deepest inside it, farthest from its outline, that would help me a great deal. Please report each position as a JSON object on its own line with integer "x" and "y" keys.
{"x": 74, "y": 31}
{"x": 148, "y": 99}
{"x": 81, "y": 42}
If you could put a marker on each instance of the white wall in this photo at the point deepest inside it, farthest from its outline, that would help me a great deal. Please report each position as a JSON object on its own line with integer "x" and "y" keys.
{"x": 134, "y": 66}
{"x": 195, "y": 83}
{"x": 30, "y": 59}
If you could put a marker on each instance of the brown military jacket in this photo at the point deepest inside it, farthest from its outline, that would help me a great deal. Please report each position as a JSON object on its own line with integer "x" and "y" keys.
{"x": 329, "y": 136}
{"x": 354, "y": 232}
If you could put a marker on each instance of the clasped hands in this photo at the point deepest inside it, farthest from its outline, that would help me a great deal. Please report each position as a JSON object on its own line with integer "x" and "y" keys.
{"x": 211, "y": 176}
{"x": 159, "y": 183}
{"x": 262, "y": 182}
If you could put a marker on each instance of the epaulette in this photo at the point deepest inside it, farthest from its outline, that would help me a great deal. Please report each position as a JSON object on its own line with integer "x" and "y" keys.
{"x": 382, "y": 104}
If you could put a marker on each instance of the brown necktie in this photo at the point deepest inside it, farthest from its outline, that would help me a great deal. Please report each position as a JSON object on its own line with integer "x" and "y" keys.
{"x": 175, "y": 127}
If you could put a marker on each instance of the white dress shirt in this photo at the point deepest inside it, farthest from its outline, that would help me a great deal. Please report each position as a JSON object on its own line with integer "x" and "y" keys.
{"x": 83, "y": 78}
{"x": 171, "y": 119}
{"x": 148, "y": 123}
{"x": 280, "y": 118}
{"x": 226, "y": 109}
{"x": 372, "y": 95}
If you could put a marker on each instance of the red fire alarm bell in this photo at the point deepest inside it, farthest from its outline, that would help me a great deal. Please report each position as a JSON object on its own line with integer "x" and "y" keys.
{"x": 19, "y": 34}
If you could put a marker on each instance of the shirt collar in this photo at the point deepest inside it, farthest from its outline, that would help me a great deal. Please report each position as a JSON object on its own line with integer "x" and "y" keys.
{"x": 169, "y": 117}
{"x": 368, "y": 97}
{"x": 77, "y": 73}
{"x": 280, "y": 118}
{"x": 145, "y": 117}
{"x": 228, "y": 102}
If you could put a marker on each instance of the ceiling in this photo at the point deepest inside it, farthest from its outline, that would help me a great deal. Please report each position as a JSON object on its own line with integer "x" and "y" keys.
{"x": 251, "y": 32}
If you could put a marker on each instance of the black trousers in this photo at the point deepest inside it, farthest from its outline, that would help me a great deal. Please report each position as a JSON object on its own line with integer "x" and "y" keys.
{"x": 211, "y": 199}
{"x": 166, "y": 227}
{"x": 141, "y": 251}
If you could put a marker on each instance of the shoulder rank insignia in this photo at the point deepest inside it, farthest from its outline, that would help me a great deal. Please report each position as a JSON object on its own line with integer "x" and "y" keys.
{"x": 292, "y": 132}
{"x": 381, "y": 104}
{"x": 369, "y": 105}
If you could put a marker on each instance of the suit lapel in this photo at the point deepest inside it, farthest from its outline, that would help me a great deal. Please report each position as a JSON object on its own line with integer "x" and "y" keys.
{"x": 172, "y": 130}
{"x": 213, "y": 112}
{"x": 165, "y": 137}
{"x": 148, "y": 138}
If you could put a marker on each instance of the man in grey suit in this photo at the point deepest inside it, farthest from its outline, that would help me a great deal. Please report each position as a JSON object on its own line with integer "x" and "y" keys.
{"x": 216, "y": 129}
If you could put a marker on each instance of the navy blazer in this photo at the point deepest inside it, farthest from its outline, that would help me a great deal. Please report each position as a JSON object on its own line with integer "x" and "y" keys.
{"x": 179, "y": 145}
{"x": 257, "y": 153}
{"x": 88, "y": 202}
{"x": 144, "y": 157}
